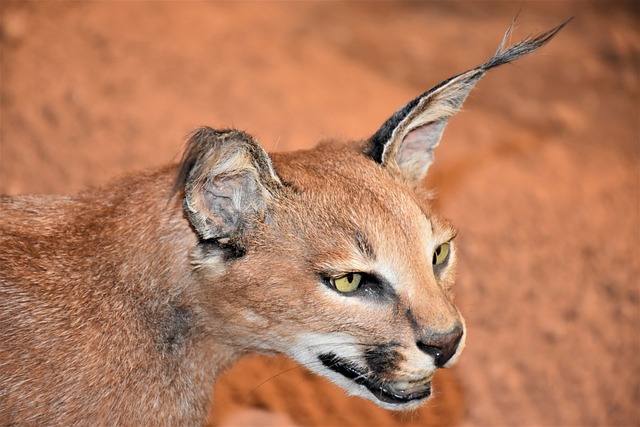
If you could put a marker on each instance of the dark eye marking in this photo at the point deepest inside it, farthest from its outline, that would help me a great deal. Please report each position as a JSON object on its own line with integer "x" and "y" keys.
{"x": 371, "y": 287}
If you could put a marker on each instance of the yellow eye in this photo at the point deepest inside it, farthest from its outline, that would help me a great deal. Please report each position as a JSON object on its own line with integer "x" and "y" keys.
{"x": 441, "y": 253}
{"x": 347, "y": 283}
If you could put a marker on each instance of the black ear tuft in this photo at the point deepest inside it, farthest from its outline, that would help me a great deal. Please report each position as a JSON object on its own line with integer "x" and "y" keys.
{"x": 407, "y": 139}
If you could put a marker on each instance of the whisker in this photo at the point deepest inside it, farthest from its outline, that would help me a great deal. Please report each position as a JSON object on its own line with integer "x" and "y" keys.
{"x": 275, "y": 376}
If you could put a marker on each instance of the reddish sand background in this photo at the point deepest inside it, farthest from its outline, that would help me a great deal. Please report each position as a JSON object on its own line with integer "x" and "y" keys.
{"x": 540, "y": 173}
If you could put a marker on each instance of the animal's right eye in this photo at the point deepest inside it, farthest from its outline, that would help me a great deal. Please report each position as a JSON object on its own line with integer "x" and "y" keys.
{"x": 347, "y": 283}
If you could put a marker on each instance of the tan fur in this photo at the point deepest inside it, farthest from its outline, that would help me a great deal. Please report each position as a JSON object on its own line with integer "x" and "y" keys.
{"x": 120, "y": 306}
{"x": 92, "y": 288}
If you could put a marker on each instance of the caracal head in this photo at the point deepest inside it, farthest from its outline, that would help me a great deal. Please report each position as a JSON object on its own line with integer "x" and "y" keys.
{"x": 332, "y": 255}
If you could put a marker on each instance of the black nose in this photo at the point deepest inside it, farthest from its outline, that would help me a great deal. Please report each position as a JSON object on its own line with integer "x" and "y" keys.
{"x": 442, "y": 345}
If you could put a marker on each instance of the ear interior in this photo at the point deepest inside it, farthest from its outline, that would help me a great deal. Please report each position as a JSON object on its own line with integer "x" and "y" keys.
{"x": 415, "y": 153}
{"x": 408, "y": 139}
{"x": 228, "y": 182}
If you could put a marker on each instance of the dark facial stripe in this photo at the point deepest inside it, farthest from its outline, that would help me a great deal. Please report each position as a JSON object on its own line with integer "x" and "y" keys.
{"x": 412, "y": 321}
{"x": 366, "y": 248}
{"x": 383, "y": 359}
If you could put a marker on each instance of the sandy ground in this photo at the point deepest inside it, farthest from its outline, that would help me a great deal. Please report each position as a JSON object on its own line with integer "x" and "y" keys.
{"x": 540, "y": 173}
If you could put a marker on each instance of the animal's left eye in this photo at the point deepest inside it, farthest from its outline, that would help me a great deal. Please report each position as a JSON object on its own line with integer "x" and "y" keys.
{"x": 441, "y": 254}
{"x": 347, "y": 283}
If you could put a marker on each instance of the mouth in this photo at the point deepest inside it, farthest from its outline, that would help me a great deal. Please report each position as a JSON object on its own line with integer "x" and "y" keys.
{"x": 394, "y": 392}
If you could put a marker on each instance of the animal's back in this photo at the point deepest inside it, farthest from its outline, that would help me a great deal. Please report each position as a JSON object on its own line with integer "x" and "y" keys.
{"x": 37, "y": 320}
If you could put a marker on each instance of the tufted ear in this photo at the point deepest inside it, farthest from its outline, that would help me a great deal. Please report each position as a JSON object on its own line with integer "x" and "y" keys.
{"x": 228, "y": 182}
{"x": 407, "y": 139}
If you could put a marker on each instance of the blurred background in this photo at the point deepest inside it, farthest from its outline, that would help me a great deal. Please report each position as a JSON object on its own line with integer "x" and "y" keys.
{"x": 540, "y": 172}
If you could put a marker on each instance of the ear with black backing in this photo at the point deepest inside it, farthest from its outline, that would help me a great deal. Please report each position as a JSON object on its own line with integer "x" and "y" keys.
{"x": 228, "y": 182}
{"x": 407, "y": 139}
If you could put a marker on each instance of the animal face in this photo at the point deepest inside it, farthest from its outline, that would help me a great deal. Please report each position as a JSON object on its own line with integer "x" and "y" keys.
{"x": 332, "y": 255}
{"x": 372, "y": 276}
{"x": 353, "y": 280}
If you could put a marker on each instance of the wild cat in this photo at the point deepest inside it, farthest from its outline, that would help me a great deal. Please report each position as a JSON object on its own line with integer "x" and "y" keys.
{"x": 122, "y": 305}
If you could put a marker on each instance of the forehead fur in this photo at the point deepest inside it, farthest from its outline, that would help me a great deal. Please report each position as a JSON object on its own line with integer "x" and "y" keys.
{"x": 345, "y": 192}
{"x": 337, "y": 173}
